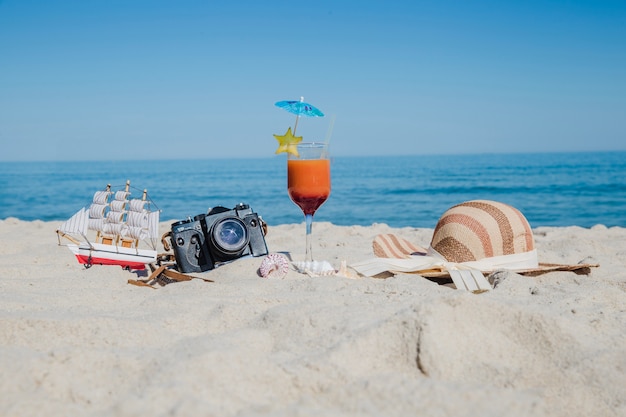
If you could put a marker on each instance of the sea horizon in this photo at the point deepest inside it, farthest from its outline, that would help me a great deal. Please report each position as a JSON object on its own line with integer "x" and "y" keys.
{"x": 549, "y": 188}
{"x": 274, "y": 156}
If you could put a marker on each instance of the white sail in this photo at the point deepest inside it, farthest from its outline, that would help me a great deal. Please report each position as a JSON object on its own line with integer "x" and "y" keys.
{"x": 101, "y": 197}
{"x": 115, "y": 229}
{"x": 96, "y": 211}
{"x": 137, "y": 205}
{"x": 137, "y": 219}
{"x": 153, "y": 224}
{"x": 77, "y": 224}
{"x": 139, "y": 233}
{"x": 96, "y": 224}
{"x": 121, "y": 195}
{"x": 115, "y": 217}
{"x": 153, "y": 227}
{"x": 117, "y": 205}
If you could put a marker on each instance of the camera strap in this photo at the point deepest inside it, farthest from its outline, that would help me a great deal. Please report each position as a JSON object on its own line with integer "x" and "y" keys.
{"x": 165, "y": 242}
{"x": 165, "y": 273}
{"x": 162, "y": 276}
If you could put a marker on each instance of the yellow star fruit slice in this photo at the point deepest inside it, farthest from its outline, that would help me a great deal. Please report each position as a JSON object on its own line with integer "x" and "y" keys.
{"x": 288, "y": 143}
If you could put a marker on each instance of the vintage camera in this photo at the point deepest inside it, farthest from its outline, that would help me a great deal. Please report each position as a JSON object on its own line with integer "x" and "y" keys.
{"x": 220, "y": 236}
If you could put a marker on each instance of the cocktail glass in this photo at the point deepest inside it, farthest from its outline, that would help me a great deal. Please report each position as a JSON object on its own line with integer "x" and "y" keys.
{"x": 308, "y": 183}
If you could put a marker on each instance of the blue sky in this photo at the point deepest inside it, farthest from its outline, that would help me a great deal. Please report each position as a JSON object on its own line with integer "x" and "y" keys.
{"x": 198, "y": 79}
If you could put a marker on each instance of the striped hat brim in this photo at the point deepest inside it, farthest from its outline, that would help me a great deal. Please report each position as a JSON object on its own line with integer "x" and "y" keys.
{"x": 392, "y": 246}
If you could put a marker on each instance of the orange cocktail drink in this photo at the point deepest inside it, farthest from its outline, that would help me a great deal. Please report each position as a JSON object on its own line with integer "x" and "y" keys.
{"x": 308, "y": 183}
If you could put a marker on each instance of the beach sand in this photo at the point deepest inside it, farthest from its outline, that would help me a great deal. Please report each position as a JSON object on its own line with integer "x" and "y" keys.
{"x": 76, "y": 341}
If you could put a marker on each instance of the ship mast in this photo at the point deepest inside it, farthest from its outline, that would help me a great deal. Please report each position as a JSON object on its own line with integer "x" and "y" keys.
{"x": 143, "y": 198}
{"x": 99, "y": 233}
{"x": 125, "y": 242}
{"x": 124, "y": 216}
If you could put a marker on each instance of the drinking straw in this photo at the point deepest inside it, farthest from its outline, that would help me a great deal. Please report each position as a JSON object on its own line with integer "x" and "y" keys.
{"x": 330, "y": 130}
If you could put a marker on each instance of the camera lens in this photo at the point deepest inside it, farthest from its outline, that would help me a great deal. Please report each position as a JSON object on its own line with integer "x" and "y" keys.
{"x": 230, "y": 235}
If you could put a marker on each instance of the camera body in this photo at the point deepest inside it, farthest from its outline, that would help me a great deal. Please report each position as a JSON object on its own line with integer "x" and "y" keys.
{"x": 221, "y": 235}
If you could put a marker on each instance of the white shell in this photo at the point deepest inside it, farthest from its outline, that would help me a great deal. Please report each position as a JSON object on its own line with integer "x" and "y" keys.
{"x": 315, "y": 268}
{"x": 274, "y": 265}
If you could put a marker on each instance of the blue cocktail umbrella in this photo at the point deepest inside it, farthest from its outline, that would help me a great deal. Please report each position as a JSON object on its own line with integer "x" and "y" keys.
{"x": 299, "y": 108}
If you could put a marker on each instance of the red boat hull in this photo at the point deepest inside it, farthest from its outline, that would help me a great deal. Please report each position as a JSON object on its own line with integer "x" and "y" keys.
{"x": 103, "y": 261}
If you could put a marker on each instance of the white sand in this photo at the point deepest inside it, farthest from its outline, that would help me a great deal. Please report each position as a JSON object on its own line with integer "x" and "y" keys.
{"x": 76, "y": 341}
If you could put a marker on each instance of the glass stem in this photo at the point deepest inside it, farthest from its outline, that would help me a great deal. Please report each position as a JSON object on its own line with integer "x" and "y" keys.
{"x": 308, "y": 257}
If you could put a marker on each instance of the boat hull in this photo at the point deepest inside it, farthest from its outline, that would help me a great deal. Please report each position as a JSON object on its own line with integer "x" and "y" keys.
{"x": 99, "y": 254}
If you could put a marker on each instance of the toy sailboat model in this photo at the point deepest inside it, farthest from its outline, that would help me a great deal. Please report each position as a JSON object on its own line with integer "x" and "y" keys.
{"x": 120, "y": 225}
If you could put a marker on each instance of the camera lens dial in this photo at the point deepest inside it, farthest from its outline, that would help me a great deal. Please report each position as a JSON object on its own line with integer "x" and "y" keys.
{"x": 230, "y": 235}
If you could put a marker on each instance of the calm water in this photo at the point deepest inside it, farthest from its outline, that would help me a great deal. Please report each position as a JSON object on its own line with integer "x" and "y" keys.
{"x": 550, "y": 189}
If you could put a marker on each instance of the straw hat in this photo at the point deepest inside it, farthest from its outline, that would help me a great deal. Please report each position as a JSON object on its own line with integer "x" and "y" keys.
{"x": 470, "y": 240}
{"x": 480, "y": 229}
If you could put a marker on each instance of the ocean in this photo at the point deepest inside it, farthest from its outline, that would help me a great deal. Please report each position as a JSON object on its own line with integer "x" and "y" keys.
{"x": 550, "y": 189}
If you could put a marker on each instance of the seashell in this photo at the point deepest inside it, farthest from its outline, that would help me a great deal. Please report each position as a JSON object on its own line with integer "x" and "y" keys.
{"x": 274, "y": 265}
{"x": 315, "y": 268}
{"x": 345, "y": 272}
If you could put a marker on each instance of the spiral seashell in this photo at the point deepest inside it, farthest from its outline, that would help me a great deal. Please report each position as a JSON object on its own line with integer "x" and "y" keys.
{"x": 315, "y": 268}
{"x": 274, "y": 265}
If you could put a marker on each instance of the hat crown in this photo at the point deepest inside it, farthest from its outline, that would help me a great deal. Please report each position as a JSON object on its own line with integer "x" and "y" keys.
{"x": 480, "y": 229}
